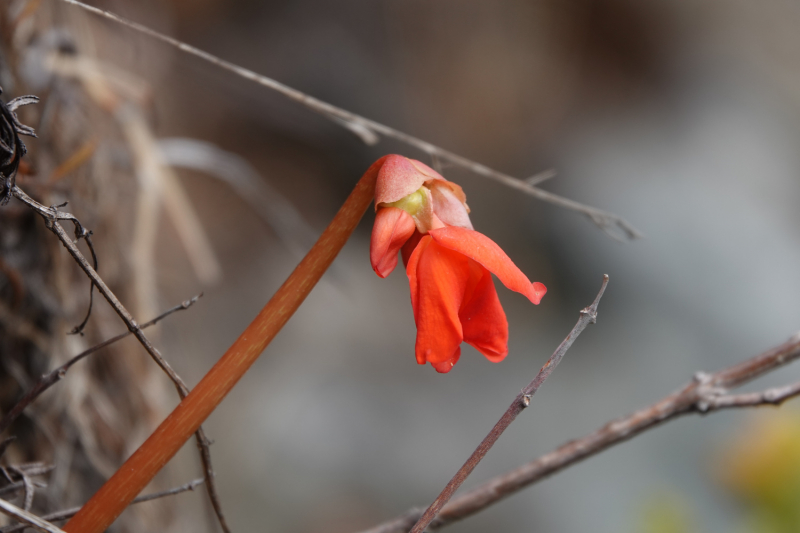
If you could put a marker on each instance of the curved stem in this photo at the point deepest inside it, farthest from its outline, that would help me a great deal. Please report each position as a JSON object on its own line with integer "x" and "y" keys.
{"x": 113, "y": 497}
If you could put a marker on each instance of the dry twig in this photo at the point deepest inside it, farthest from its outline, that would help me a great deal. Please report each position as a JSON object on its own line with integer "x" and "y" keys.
{"x": 52, "y": 216}
{"x": 705, "y": 393}
{"x": 27, "y": 486}
{"x": 587, "y": 316}
{"x": 28, "y": 519}
{"x": 48, "y": 380}
{"x": 69, "y": 513}
{"x": 14, "y": 487}
{"x": 369, "y": 130}
{"x": 24, "y": 472}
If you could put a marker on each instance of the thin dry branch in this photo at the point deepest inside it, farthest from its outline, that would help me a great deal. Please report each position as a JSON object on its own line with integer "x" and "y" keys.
{"x": 27, "y": 486}
{"x": 369, "y": 130}
{"x": 24, "y": 472}
{"x": 14, "y": 487}
{"x": 66, "y": 514}
{"x": 588, "y": 316}
{"x": 28, "y": 519}
{"x": 52, "y": 216}
{"x": 48, "y": 380}
{"x": 774, "y": 396}
{"x": 704, "y": 394}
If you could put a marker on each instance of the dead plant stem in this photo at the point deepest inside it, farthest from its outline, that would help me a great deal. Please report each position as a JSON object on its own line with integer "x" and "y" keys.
{"x": 52, "y": 216}
{"x": 51, "y": 378}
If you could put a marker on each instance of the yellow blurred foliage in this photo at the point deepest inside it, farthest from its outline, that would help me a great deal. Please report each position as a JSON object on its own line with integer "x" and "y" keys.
{"x": 761, "y": 466}
{"x": 666, "y": 512}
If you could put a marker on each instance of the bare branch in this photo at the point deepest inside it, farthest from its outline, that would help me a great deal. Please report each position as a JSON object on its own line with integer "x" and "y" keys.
{"x": 14, "y": 487}
{"x": 27, "y": 485}
{"x": 28, "y": 519}
{"x": 774, "y": 396}
{"x": 36, "y": 469}
{"x": 542, "y": 176}
{"x": 368, "y": 130}
{"x": 52, "y": 216}
{"x": 48, "y": 380}
{"x": 587, "y": 316}
{"x": 704, "y": 394}
{"x": 69, "y": 513}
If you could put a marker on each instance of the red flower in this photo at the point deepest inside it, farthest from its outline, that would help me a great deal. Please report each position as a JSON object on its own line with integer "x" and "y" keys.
{"x": 449, "y": 265}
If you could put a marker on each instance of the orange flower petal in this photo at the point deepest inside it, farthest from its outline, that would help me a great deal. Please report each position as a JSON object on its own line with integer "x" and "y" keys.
{"x": 449, "y": 203}
{"x": 482, "y": 317}
{"x": 409, "y": 247}
{"x": 426, "y": 170}
{"x": 447, "y": 366}
{"x": 397, "y": 179}
{"x": 392, "y": 229}
{"x": 485, "y": 251}
{"x": 437, "y": 278}
{"x": 411, "y": 268}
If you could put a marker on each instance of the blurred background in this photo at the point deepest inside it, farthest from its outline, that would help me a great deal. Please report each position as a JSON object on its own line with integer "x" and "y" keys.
{"x": 682, "y": 117}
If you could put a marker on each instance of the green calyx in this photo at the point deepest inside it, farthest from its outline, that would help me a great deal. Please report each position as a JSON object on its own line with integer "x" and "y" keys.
{"x": 411, "y": 204}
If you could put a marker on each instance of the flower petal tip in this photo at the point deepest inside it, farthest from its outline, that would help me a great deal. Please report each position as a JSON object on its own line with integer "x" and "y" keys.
{"x": 538, "y": 290}
{"x": 443, "y": 368}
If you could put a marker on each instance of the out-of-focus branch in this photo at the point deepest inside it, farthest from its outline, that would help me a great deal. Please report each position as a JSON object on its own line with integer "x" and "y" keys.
{"x": 48, "y": 380}
{"x": 370, "y": 131}
{"x": 52, "y": 216}
{"x": 587, "y": 316}
{"x": 269, "y": 203}
{"x": 30, "y": 520}
{"x": 705, "y": 393}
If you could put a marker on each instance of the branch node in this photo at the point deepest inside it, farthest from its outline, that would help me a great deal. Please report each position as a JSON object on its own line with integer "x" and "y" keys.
{"x": 708, "y": 393}
{"x": 703, "y": 406}
{"x": 773, "y": 396}
{"x": 591, "y": 313}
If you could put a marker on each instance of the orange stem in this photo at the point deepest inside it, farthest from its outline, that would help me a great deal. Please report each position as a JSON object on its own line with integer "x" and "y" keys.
{"x": 117, "y": 493}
